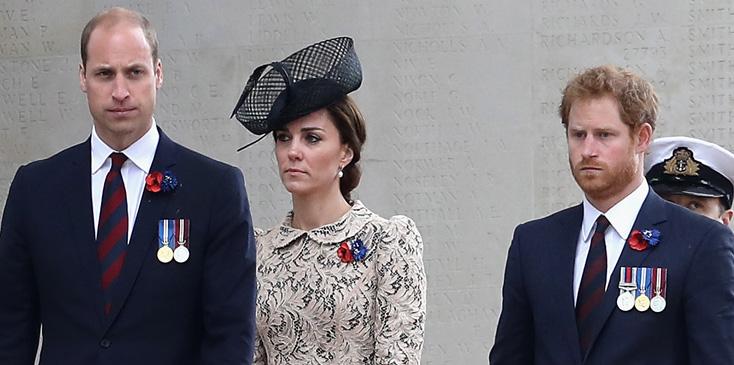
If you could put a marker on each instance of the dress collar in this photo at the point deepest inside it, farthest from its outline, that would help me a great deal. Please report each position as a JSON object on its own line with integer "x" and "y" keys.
{"x": 330, "y": 234}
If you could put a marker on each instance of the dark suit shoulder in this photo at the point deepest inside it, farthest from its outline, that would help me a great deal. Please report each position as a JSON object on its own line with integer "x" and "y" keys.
{"x": 199, "y": 174}
{"x": 58, "y": 161}
{"x": 194, "y": 158}
{"x": 554, "y": 221}
{"x": 542, "y": 236}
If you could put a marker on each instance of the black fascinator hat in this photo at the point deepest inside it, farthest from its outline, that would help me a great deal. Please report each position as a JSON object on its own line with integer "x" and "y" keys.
{"x": 308, "y": 80}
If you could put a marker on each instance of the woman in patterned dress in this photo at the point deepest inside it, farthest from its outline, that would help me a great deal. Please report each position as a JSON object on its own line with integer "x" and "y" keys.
{"x": 337, "y": 284}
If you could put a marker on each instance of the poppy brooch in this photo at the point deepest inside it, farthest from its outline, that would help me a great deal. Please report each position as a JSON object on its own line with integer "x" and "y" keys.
{"x": 641, "y": 240}
{"x": 352, "y": 251}
{"x": 157, "y": 181}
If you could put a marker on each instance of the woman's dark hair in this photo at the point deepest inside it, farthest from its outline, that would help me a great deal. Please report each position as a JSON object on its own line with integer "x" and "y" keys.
{"x": 350, "y": 123}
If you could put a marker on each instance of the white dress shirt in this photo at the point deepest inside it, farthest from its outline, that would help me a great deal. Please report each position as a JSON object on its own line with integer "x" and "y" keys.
{"x": 621, "y": 218}
{"x": 139, "y": 159}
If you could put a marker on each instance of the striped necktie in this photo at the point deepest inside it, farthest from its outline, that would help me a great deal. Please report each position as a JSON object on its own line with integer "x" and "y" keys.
{"x": 593, "y": 284}
{"x": 112, "y": 229}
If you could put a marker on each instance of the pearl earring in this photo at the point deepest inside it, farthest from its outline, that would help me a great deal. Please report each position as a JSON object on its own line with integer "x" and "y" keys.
{"x": 340, "y": 174}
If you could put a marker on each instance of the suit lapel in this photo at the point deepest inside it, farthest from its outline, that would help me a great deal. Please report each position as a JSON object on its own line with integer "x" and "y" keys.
{"x": 569, "y": 236}
{"x": 652, "y": 214}
{"x": 145, "y": 231}
{"x": 76, "y": 190}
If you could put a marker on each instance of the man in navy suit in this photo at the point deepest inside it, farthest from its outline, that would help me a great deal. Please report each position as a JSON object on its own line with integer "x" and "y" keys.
{"x": 127, "y": 248}
{"x": 625, "y": 277}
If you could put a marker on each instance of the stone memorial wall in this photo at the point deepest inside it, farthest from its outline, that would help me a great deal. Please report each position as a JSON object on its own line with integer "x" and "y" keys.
{"x": 460, "y": 98}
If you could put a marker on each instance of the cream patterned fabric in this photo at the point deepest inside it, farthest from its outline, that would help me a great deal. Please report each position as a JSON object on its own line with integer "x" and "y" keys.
{"x": 312, "y": 308}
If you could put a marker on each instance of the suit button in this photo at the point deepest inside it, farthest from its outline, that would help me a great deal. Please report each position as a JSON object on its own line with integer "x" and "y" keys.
{"x": 105, "y": 343}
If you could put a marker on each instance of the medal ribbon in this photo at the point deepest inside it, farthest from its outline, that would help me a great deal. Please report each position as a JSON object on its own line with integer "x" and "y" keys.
{"x": 165, "y": 232}
{"x": 635, "y": 281}
{"x": 182, "y": 232}
{"x": 622, "y": 277}
{"x": 644, "y": 280}
{"x": 625, "y": 278}
{"x": 660, "y": 284}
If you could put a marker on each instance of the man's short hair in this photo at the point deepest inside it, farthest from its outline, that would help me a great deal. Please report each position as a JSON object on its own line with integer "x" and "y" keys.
{"x": 116, "y": 15}
{"x": 636, "y": 98}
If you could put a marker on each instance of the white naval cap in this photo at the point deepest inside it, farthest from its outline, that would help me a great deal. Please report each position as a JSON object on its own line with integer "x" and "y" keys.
{"x": 684, "y": 165}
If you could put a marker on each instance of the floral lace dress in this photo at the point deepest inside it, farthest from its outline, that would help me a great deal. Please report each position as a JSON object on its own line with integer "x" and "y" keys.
{"x": 314, "y": 308}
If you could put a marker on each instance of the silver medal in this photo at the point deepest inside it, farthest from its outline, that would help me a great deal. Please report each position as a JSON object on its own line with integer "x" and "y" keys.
{"x": 181, "y": 254}
{"x": 626, "y": 301}
{"x": 657, "y": 304}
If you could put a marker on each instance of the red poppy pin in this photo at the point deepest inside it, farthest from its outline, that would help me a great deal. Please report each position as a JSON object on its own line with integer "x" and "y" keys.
{"x": 356, "y": 251}
{"x": 157, "y": 181}
{"x": 641, "y": 240}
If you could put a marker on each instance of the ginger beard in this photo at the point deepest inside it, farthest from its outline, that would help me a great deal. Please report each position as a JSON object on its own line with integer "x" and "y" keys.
{"x": 609, "y": 179}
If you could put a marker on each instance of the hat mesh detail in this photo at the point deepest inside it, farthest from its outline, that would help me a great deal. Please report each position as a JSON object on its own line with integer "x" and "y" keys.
{"x": 332, "y": 61}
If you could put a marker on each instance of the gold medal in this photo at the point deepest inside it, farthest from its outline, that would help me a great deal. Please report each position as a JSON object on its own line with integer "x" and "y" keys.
{"x": 165, "y": 254}
{"x": 642, "y": 303}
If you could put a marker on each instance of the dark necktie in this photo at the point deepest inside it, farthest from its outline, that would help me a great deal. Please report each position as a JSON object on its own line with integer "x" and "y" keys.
{"x": 593, "y": 284}
{"x": 112, "y": 229}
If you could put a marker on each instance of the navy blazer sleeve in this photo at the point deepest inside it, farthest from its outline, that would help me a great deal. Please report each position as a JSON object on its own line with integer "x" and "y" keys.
{"x": 513, "y": 344}
{"x": 229, "y": 286}
{"x": 19, "y": 308}
{"x": 709, "y": 299}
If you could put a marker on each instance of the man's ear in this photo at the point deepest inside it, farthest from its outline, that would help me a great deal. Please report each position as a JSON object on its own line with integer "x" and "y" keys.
{"x": 158, "y": 74}
{"x": 726, "y": 216}
{"x": 82, "y": 78}
{"x": 644, "y": 137}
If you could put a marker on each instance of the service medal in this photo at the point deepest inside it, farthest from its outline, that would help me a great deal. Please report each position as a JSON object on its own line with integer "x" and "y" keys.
{"x": 165, "y": 254}
{"x": 181, "y": 254}
{"x": 165, "y": 237}
{"x": 658, "y": 303}
{"x": 642, "y": 302}
{"x": 625, "y": 301}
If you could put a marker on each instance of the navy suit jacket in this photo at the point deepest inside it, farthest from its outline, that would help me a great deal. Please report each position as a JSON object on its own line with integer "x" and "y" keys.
{"x": 198, "y": 312}
{"x": 538, "y": 324}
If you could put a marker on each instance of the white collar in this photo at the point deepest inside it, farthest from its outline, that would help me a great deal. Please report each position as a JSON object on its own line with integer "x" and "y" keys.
{"x": 141, "y": 152}
{"x": 621, "y": 216}
{"x": 334, "y": 233}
